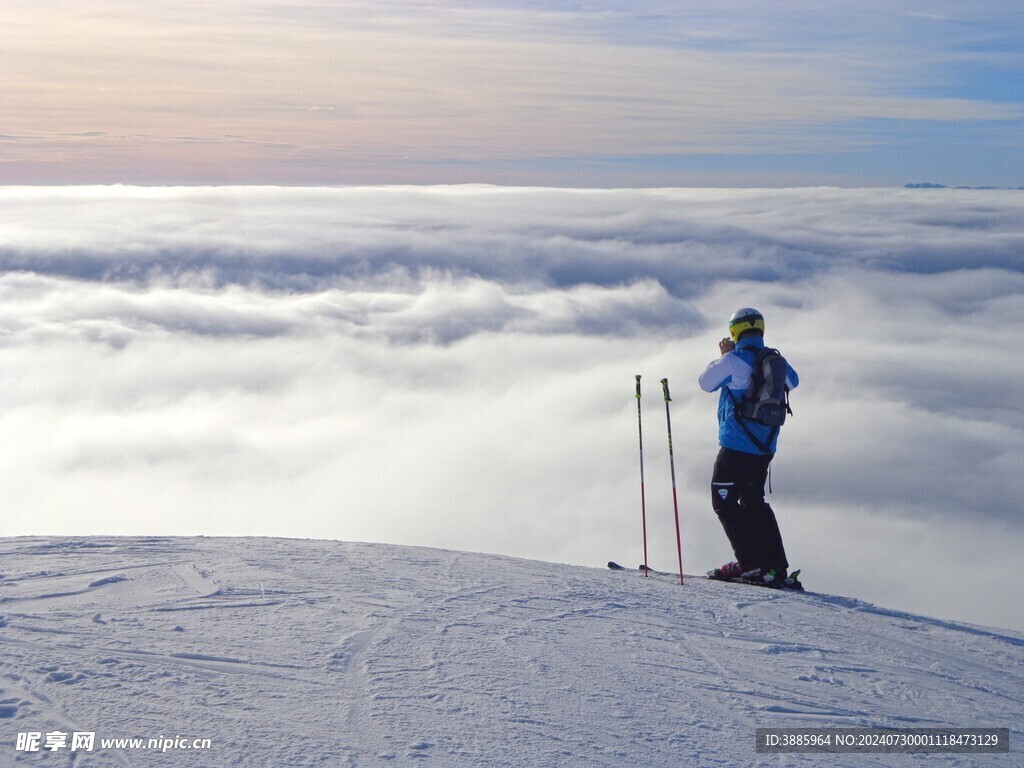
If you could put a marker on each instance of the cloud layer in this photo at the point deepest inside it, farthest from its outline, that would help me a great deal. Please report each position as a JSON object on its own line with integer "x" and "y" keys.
{"x": 454, "y": 366}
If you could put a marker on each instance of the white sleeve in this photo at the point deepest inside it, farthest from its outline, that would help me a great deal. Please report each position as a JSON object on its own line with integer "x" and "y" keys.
{"x": 728, "y": 369}
{"x": 716, "y": 374}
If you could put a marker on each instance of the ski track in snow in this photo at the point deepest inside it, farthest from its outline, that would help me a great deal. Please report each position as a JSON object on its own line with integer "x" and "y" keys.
{"x": 306, "y": 653}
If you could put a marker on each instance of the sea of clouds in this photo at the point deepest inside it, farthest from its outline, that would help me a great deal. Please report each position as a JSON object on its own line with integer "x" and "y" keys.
{"x": 454, "y": 366}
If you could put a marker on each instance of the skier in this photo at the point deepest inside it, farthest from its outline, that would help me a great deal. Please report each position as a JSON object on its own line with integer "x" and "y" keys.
{"x": 746, "y": 451}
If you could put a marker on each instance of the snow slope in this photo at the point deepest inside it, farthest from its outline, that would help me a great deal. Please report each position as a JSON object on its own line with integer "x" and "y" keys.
{"x": 314, "y": 653}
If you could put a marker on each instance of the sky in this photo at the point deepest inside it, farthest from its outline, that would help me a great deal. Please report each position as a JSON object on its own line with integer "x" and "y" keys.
{"x": 453, "y": 366}
{"x": 535, "y": 92}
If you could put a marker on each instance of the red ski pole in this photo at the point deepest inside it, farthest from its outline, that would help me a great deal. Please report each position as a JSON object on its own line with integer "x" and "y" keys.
{"x": 672, "y": 465}
{"x": 643, "y": 495}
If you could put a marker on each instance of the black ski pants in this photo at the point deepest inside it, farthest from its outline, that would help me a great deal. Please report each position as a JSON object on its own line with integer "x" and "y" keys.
{"x": 737, "y": 496}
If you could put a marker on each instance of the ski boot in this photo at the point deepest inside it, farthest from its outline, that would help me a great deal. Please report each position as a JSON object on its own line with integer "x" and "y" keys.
{"x": 727, "y": 572}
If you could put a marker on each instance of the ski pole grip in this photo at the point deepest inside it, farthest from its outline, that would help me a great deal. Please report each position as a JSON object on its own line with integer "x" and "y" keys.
{"x": 638, "y": 386}
{"x": 664, "y": 385}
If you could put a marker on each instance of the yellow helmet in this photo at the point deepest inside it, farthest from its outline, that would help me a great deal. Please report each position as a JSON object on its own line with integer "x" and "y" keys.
{"x": 746, "y": 319}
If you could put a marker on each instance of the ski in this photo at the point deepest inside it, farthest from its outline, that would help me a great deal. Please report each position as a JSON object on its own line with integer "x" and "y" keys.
{"x": 791, "y": 582}
{"x": 648, "y": 569}
{"x": 641, "y": 568}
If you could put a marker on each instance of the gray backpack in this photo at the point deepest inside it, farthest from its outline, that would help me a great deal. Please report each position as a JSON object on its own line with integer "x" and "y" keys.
{"x": 767, "y": 399}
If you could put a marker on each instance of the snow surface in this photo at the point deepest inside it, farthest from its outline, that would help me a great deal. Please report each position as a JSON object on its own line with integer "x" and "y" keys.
{"x": 300, "y": 653}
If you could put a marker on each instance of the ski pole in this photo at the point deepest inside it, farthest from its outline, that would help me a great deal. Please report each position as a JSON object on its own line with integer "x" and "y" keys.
{"x": 672, "y": 465}
{"x": 643, "y": 495}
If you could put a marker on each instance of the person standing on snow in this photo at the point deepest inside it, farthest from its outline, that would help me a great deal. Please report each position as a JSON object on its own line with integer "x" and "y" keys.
{"x": 746, "y": 451}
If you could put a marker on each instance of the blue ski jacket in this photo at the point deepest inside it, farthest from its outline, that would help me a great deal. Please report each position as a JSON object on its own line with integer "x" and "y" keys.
{"x": 731, "y": 374}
